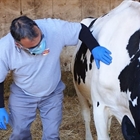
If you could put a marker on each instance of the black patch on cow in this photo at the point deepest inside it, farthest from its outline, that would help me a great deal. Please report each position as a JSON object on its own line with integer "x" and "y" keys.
{"x": 130, "y": 77}
{"x": 127, "y": 75}
{"x": 133, "y": 44}
{"x": 92, "y": 23}
{"x": 80, "y": 64}
{"x": 128, "y": 129}
{"x": 90, "y": 64}
{"x": 98, "y": 104}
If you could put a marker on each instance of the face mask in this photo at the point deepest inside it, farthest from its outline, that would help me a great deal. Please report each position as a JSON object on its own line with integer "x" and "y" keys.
{"x": 39, "y": 49}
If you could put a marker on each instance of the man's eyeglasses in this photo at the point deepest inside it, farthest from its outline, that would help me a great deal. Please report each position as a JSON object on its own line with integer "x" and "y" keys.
{"x": 37, "y": 46}
{"x": 42, "y": 36}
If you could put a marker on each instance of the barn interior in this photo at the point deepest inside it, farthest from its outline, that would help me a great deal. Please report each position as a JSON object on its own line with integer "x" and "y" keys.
{"x": 72, "y": 127}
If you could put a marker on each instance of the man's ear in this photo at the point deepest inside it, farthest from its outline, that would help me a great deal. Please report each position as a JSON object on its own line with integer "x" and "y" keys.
{"x": 18, "y": 45}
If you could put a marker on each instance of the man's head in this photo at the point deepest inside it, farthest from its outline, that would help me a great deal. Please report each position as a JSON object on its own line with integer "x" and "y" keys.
{"x": 27, "y": 34}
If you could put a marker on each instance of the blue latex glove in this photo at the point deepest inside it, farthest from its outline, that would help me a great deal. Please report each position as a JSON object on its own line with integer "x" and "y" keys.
{"x": 101, "y": 54}
{"x": 4, "y": 118}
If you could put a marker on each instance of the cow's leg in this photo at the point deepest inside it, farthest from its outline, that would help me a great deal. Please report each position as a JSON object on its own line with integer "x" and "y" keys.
{"x": 101, "y": 118}
{"x": 85, "y": 110}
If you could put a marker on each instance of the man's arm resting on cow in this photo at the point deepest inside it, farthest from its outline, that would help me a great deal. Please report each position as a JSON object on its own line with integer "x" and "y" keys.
{"x": 4, "y": 118}
{"x": 99, "y": 53}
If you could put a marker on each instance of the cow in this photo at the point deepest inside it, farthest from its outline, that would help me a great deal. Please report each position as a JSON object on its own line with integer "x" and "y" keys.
{"x": 112, "y": 90}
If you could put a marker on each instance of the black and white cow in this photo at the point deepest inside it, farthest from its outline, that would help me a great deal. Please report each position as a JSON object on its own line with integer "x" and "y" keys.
{"x": 113, "y": 90}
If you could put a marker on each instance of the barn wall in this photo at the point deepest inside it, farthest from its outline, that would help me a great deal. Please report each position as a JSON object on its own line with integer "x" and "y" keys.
{"x": 71, "y": 10}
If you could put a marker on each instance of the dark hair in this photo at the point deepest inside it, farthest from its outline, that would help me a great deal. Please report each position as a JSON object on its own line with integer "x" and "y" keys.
{"x": 22, "y": 27}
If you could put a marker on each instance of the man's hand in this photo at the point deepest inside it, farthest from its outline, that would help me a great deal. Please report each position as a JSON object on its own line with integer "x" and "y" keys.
{"x": 4, "y": 118}
{"x": 101, "y": 54}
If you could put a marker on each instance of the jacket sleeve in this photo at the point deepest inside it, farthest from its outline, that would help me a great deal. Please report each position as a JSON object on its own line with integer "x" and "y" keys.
{"x": 87, "y": 38}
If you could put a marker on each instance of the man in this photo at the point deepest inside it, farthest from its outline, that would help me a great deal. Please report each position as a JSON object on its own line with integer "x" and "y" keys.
{"x": 32, "y": 50}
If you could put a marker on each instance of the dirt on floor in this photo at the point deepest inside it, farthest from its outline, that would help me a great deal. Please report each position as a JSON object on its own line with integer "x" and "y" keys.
{"x": 72, "y": 127}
